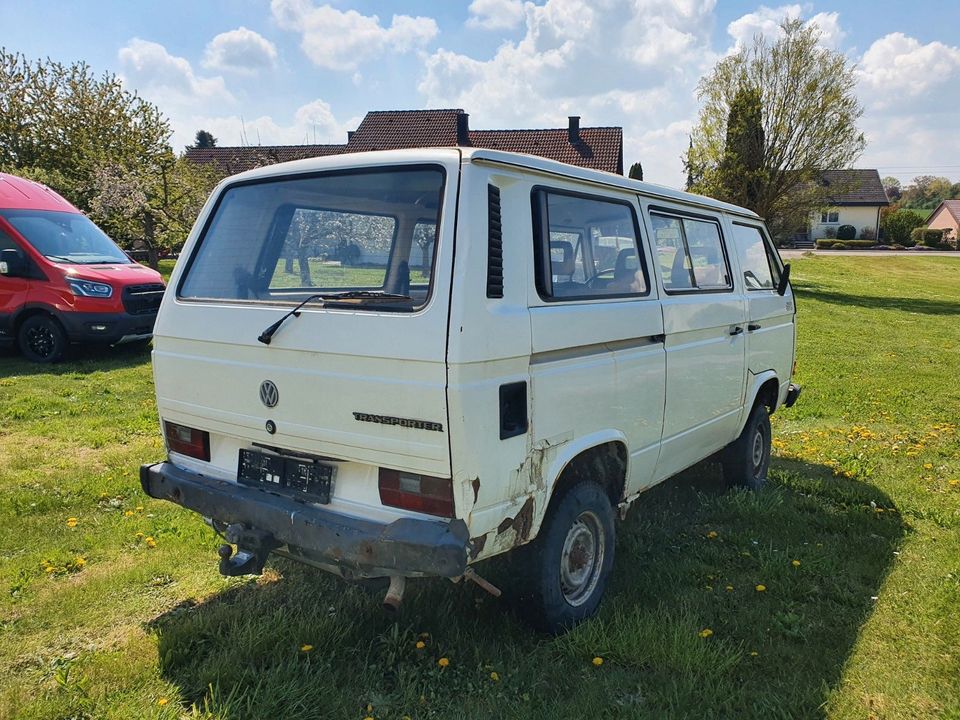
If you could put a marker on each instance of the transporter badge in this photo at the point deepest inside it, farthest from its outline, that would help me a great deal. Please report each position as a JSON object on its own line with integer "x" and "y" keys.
{"x": 269, "y": 395}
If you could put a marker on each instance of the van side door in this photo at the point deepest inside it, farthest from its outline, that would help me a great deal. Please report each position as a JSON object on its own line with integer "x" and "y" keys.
{"x": 703, "y": 319}
{"x": 13, "y": 290}
{"x": 770, "y": 316}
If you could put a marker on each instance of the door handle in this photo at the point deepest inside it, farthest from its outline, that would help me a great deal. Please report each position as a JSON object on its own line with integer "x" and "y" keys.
{"x": 737, "y": 330}
{"x": 752, "y": 326}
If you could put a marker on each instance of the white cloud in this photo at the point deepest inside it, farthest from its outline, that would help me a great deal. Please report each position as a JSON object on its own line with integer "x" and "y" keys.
{"x": 240, "y": 50}
{"x": 342, "y": 40}
{"x": 614, "y": 62}
{"x": 896, "y": 67}
{"x": 766, "y": 21}
{"x": 495, "y": 14}
{"x": 166, "y": 79}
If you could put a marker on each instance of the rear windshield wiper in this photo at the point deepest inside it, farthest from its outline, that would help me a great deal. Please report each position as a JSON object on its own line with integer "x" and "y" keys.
{"x": 348, "y": 295}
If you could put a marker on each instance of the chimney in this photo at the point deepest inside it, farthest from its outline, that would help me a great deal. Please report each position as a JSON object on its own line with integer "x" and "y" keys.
{"x": 463, "y": 128}
{"x": 350, "y": 136}
{"x": 573, "y": 129}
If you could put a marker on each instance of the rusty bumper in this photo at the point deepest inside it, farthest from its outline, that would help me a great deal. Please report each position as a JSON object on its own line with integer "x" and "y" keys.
{"x": 404, "y": 546}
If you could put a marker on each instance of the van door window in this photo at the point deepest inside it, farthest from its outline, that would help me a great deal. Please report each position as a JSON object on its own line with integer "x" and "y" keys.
{"x": 690, "y": 254}
{"x": 760, "y": 269}
{"x": 369, "y": 233}
{"x": 587, "y": 247}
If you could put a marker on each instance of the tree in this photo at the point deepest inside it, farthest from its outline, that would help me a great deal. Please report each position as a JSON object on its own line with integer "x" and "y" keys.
{"x": 740, "y": 172}
{"x": 897, "y": 225}
{"x": 60, "y": 123}
{"x": 204, "y": 139}
{"x": 808, "y": 109}
{"x": 636, "y": 171}
{"x": 928, "y": 191}
{"x": 892, "y": 188}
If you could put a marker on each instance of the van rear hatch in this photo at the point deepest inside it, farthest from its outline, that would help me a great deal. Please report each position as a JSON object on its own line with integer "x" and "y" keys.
{"x": 355, "y": 379}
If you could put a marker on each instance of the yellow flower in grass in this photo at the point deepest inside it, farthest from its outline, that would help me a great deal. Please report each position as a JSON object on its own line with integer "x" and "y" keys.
{"x": 139, "y": 508}
{"x": 79, "y": 561}
{"x": 162, "y": 701}
{"x": 494, "y": 676}
{"x": 753, "y": 653}
{"x": 306, "y": 648}
{"x": 421, "y": 644}
{"x": 712, "y": 534}
{"x": 729, "y": 588}
{"x": 443, "y": 662}
{"x": 795, "y": 563}
{"x": 71, "y": 522}
{"x": 598, "y": 661}
{"x": 761, "y": 588}
{"x": 128, "y": 513}
{"x": 151, "y": 543}
{"x": 705, "y": 633}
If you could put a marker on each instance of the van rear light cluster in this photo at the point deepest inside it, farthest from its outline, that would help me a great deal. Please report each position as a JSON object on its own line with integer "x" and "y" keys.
{"x": 186, "y": 440}
{"x": 422, "y": 493}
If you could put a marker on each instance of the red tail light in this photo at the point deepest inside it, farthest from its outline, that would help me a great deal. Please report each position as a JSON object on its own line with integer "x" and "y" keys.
{"x": 187, "y": 441}
{"x": 422, "y": 493}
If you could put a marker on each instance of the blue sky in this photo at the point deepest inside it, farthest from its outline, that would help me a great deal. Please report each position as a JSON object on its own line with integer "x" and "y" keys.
{"x": 305, "y": 70}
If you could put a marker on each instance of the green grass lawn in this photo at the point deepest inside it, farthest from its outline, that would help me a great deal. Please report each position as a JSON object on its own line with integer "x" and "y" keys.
{"x": 111, "y": 605}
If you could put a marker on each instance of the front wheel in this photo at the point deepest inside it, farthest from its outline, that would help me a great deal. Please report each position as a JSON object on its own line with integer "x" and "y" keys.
{"x": 41, "y": 339}
{"x": 566, "y": 568}
{"x": 747, "y": 459}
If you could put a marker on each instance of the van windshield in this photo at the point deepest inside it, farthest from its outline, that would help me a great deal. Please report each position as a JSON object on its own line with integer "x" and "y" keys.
{"x": 65, "y": 237}
{"x": 284, "y": 239}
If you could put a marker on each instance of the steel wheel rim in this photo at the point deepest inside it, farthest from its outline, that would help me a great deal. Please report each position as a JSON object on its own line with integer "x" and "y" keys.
{"x": 758, "y": 450}
{"x": 582, "y": 558}
{"x": 41, "y": 340}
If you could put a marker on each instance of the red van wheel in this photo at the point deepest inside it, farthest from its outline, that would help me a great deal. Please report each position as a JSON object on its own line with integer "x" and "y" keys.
{"x": 42, "y": 339}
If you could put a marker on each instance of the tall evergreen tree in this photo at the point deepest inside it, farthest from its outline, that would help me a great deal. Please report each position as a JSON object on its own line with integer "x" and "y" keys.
{"x": 741, "y": 169}
{"x": 204, "y": 139}
{"x": 636, "y": 171}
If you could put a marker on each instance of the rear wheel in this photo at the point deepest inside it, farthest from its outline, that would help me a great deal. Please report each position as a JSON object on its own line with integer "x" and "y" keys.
{"x": 41, "y": 339}
{"x": 747, "y": 459}
{"x": 566, "y": 568}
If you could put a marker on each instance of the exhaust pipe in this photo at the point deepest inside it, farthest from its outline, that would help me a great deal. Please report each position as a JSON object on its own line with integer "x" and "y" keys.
{"x": 394, "y": 596}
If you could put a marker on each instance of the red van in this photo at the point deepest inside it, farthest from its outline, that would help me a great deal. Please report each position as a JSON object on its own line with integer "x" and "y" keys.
{"x": 62, "y": 280}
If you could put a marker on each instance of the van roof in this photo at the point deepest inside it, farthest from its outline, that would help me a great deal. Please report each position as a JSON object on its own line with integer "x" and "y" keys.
{"x": 500, "y": 157}
{"x": 17, "y": 193}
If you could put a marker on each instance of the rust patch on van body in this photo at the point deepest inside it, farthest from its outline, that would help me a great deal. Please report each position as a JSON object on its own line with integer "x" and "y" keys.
{"x": 476, "y": 489}
{"x": 521, "y": 523}
{"x": 476, "y": 546}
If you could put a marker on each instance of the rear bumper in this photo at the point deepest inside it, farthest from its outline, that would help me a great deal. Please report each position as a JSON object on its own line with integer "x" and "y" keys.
{"x": 409, "y": 546}
{"x": 793, "y": 392}
{"x": 109, "y": 328}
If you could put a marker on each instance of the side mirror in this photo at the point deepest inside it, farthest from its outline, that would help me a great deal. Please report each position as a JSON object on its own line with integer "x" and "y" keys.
{"x": 12, "y": 263}
{"x": 784, "y": 280}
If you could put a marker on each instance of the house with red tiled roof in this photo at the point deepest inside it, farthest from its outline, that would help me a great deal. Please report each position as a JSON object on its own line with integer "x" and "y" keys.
{"x": 946, "y": 217}
{"x": 600, "y": 148}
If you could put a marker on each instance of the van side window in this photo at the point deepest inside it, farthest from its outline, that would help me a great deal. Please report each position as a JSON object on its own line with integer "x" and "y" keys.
{"x": 690, "y": 253}
{"x": 760, "y": 269}
{"x": 586, "y": 247}
{"x": 6, "y": 242}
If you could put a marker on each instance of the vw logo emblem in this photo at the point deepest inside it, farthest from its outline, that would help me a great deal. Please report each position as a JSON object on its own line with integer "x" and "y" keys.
{"x": 269, "y": 395}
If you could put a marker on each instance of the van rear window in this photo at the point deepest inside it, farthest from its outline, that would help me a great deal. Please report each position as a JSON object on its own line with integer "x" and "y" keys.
{"x": 284, "y": 239}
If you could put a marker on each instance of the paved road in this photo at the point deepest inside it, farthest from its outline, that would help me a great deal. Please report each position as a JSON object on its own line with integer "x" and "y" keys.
{"x": 788, "y": 254}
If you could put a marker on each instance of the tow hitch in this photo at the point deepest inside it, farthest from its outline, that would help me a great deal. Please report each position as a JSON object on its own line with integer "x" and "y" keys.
{"x": 253, "y": 548}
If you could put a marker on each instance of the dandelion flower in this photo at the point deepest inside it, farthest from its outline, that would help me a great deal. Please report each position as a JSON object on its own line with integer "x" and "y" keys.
{"x": 421, "y": 644}
{"x": 139, "y": 536}
{"x": 71, "y": 522}
{"x": 729, "y": 588}
{"x": 128, "y": 513}
{"x": 712, "y": 534}
{"x": 761, "y": 588}
{"x": 928, "y": 466}
{"x": 598, "y": 661}
{"x": 162, "y": 701}
{"x": 79, "y": 561}
{"x": 795, "y": 563}
{"x": 139, "y": 508}
{"x": 753, "y": 653}
{"x": 443, "y": 662}
{"x": 706, "y": 632}
{"x": 306, "y": 648}
{"x": 48, "y": 568}
{"x": 494, "y": 676}
{"x": 150, "y": 542}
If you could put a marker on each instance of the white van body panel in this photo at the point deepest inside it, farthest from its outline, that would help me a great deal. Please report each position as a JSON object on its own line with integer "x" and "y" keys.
{"x": 659, "y": 381}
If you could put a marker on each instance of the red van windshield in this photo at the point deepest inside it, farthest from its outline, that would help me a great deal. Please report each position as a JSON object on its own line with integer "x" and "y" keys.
{"x": 65, "y": 237}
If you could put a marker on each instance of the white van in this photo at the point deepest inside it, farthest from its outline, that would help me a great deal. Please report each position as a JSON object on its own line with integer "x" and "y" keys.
{"x": 397, "y": 364}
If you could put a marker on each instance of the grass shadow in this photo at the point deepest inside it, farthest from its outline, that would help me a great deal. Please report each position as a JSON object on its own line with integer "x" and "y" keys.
{"x": 782, "y": 579}
{"x": 922, "y": 306}
{"x": 80, "y": 359}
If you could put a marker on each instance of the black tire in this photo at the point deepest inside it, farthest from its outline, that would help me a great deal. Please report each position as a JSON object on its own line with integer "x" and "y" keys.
{"x": 747, "y": 459}
{"x": 41, "y": 339}
{"x": 565, "y": 569}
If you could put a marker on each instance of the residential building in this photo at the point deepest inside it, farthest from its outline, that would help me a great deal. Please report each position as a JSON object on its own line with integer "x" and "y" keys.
{"x": 854, "y": 197}
{"x": 600, "y": 148}
{"x": 946, "y": 216}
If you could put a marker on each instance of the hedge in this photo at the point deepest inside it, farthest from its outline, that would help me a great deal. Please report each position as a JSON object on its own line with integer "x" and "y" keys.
{"x": 846, "y": 232}
{"x": 832, "y": 244}
{"x": 929, "y": 237}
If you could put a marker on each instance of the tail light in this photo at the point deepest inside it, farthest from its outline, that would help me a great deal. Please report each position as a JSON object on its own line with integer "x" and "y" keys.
{"x": 187, "y": 441}
{"x": 422, "y": 493}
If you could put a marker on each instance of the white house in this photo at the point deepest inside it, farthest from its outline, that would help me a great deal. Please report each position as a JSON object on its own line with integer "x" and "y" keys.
{"x": 854, "y": 198}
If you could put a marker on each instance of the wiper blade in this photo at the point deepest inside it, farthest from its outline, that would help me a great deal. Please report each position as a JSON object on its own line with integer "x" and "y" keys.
{"x": 61, "y": 258}
{"x": 267, "y": 335}
{"x": 365, "y": 295}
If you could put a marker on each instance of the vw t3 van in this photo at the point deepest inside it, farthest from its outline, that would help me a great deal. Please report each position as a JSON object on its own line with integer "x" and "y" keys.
{"x": 397, "y": 364}
{"x": 62, "y": 280}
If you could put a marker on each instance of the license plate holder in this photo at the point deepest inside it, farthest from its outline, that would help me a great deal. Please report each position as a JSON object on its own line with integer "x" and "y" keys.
{"x": 300, "y": 477}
